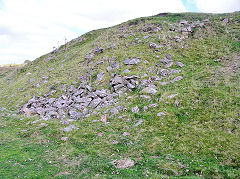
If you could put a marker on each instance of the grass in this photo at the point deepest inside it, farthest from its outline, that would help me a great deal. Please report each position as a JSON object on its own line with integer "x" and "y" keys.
{"x": 197, "y": 139}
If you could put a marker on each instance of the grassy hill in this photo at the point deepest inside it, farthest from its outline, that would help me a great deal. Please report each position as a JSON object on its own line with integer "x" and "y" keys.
{"x": 170, "y": 106}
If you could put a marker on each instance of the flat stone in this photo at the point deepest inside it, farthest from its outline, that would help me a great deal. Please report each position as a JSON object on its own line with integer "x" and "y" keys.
{"x": 114, "y": 111}
{"x": 126, "y": 71}
{"x": 163, "y": 72}
{"x": 138, "y": 123}
{"x": 153, "y": 105}
{"x": 70, "y": 128}
{"x": 64, "y": 138}
{"x": 132, "y": 61}
{"x": 172, "y": 96}
{"x": 98, "y": 50}
{"x": 180, "y": 64}
{"x": 135, "y": 109}
{"x": 168, "y": 65}
{"x": 161, "y": 114}
{"x": 178, "y": 78}
{"x": 154, "y": 46}
{"x": 126, "y": 134}
{"x": 95, "y": 102}
{"x": 100, "y": 76}
{"x": 149, "y": 90}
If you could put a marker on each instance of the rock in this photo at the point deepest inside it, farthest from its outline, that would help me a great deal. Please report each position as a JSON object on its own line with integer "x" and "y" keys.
{"x": 161, "y": 114}
{"x": 70, "y": 128}
{"x": 116, "y": 80}
{"x": 169, "y": 57}
{"x": 164, "y": 83}
{"x": 183, "y": 22}
{"x": 145, "y": 108}
{"x": 165, "y": 61}
{"x": 163, "y": 72}
{"x": 98, "y": 50}
{"x": 145, "y": 96}
{"x": 109, "y": 69}
{"x": 125, "y": 134}
{"x": 172, "y": 96}
{"x": 89, "y": 57}
{"x": 64, "y": 138}
{"x": 178, "y": 78}
{"x": 150, "y": 89}
{"x": 173, "y": 71}
{"x": 176, "y": 103}
{"x": 104, "y": 118}
{"x": 100, "y": 76}
{"x": 138, "y": 123}
{"x": 168, "y": 65}
{"x": 95, "y": 102}
{"x": 101, "y": 93}
{"x": 226, "y": 20}
{"x": 31, "y": 80}
{"x": 132, "y": 61}
{"x": 135, "y": 109}
{"x": 154, "y": 46}
{"x": 114, "y": 111}
{"x": 180, "y": 64}
{"x": 126, "y": 71}
{"x": 153, "y": 105}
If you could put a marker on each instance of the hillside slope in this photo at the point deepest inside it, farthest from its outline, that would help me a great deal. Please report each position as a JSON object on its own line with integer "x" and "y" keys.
{"x": 152, "y": 97}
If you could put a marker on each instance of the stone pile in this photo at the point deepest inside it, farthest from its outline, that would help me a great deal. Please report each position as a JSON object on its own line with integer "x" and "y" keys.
{"x": 120, "y": 83}
{"x": 76, "y": 103}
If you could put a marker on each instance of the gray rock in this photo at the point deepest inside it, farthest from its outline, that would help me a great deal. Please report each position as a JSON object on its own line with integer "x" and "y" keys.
{"x": 126, "y": 134}
{"x": 173, "y": 71}
{"x": 178, "y": 78}
{"x": 132, "y": 61}
{"x": 109, "y": 69}
{"x": 165, "y": 61}
{"x": 95, "y": 102}
{"x": 98, "y": 50}
{"x": 89, "y": 57}
{"x": 138, "y": 123}
{"x": 100, "y": 76}
{"x": 183, "y": 22}
{"x": 180, "y": 64}
{"x": 164, "y": 83}
{"x": 31, "y": 80}
{"x": 135, "y": 109}
{"x": 145, "y": 96}
{"x": 150, "y": 89}
{"x": 163, "y": 72}
{"x": 70, "y": 128}
{"x": 145, "y": 108}
{"x": 114, "y": 111}
{"x": 153, "y": 105}
{"x": 161, "y": 114}
{"x": 172, "y": 96}
{"x": 168, "y": 65}
{"x": 126, "y": 71}
{"x": 101, "y": 93}
{"x": 64, "y": 138}
{"x": 154, "y": 46}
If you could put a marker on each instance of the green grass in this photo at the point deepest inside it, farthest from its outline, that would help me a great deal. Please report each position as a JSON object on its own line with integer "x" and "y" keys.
{"x": 197, "y": 139}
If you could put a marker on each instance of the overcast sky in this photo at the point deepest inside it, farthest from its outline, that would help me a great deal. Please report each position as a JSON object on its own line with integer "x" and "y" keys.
{"x": 31, "y": 28}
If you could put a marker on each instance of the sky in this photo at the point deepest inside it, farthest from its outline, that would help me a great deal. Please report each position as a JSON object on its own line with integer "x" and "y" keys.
{"x": 31, "y": 28}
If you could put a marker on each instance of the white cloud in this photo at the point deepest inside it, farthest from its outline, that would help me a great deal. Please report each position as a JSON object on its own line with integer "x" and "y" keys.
{"x": 217, "y": 6}
{"x": 30, "y": 28}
